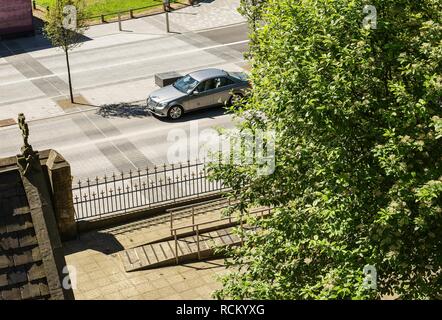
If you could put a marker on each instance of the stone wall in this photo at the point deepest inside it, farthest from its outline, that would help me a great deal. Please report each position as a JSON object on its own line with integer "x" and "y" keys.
{"x": 59, "y": 173}
{"x": 59, "y": 183}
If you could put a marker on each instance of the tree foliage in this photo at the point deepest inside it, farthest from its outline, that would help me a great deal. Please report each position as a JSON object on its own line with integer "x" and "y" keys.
{"x": 252, "y": 11}
{"x": 358, "y": 179}
{"x": 57, "y": 18}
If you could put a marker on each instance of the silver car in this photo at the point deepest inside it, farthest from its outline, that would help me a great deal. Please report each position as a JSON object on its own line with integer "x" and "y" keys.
{"x": 197, "y": 90}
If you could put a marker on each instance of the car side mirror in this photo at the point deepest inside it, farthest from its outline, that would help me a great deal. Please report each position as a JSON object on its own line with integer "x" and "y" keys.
{"x": 191, "y": 92}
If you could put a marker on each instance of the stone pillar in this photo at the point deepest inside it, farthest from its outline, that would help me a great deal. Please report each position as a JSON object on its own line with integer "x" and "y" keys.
{"x": 59, "y": 173}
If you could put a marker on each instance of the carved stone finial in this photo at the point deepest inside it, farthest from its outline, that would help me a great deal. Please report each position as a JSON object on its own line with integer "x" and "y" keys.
{"x": 24, "y": 128}
{"x": 28, "y": 159}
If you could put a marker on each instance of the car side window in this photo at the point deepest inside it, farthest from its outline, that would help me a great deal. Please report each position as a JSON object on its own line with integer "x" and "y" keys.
{"x": 200, "y": 87}
{"x": 206, "y": 85}
{"x": 222, "y": 82}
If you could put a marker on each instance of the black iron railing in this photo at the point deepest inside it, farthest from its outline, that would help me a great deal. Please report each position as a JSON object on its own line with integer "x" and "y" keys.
{"x": 120, "y": 193}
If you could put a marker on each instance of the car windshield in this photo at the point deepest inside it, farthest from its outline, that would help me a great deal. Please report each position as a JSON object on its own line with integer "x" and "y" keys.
{"x": 185, "y": 84}
{"x": 239, "y": 75}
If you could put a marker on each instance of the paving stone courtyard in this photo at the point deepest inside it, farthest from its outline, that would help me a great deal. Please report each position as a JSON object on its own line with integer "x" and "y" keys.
{"x": 101, "y": 275}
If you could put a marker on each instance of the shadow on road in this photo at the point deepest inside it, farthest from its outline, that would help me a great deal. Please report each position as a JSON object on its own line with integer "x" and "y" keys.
{"x": 123, "y": 110}
{"x": 138, "y": 110}
{"x": 211, "y": 113}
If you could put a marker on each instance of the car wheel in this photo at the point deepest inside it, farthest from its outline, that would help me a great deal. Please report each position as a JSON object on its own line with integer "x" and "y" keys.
{"x": 175, "y": 112}
{"x": 235, "y": 98}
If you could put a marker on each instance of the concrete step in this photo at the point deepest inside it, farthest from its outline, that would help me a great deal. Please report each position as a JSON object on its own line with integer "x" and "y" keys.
{"x": 163, "y": 253}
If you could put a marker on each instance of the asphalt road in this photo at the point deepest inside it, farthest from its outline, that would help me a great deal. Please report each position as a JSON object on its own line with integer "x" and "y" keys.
{"x": 102, "y": 135}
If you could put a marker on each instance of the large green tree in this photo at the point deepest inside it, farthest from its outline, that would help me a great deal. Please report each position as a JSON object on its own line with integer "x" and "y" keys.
{"x": 356, "y": 104}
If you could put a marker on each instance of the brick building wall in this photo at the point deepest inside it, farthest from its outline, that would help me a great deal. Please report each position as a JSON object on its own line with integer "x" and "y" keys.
{"x": 15, "y": 17}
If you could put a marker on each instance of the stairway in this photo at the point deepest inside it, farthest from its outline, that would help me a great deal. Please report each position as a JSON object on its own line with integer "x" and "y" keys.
{"x": 194, "y": 233}
{"x": 163, "y": 253}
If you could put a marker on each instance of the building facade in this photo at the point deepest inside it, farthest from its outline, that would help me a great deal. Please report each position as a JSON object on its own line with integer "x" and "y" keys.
{"x": 15, "y": 17}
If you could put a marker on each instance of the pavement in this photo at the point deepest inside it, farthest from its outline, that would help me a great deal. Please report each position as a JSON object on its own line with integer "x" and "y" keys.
{"x": 96, "y": 262}
{"x": 101, "y": 276}
{"x": 108, "y": 130}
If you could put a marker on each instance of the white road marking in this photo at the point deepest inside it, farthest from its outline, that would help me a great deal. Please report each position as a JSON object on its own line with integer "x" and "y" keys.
{"x": 202, "y": 124}
{"x": 221, "y": 27}
{"x": 128, "y": 62}
{"x": 110, "y": 141}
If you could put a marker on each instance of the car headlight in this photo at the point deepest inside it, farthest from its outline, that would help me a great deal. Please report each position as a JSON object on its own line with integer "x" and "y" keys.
{"x": 162, "y": 105}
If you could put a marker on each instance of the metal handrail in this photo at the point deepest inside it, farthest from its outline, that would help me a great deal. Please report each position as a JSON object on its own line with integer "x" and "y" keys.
{"x": 192, "y": 208}
{"x": 222, "y": 219}
{"x": 197, "y": 226}
{"x": 202, "y": 204}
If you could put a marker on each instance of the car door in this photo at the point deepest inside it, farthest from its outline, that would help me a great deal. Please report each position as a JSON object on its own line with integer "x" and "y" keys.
{"x": 202, "y": 96}
{"x": 222, "y": 91}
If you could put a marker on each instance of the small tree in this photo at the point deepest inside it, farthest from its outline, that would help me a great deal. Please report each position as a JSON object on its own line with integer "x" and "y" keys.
{"x": 252, "y": 11}
{"x": 65, "y": 26}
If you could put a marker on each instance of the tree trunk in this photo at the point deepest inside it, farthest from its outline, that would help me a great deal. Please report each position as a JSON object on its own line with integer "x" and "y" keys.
{"x": 69, "y": 75}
